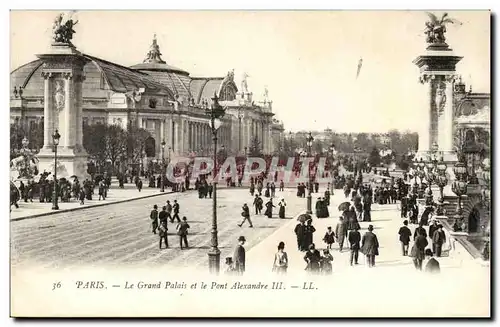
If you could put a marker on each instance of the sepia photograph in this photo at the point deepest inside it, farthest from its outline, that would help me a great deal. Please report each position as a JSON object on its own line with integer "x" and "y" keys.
{"x": 249, "y": 164}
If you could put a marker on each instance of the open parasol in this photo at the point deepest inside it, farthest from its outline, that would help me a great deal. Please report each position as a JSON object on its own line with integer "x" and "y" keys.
{"x": 304, "y": 217}
{"x": 344, "y": 206}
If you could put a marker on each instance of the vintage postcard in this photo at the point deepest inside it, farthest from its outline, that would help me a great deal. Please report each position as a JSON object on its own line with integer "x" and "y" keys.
{"x": 250, "y": 163}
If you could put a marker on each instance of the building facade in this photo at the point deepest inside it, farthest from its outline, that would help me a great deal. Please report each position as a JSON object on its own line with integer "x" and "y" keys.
{"x": 164, "y": 100}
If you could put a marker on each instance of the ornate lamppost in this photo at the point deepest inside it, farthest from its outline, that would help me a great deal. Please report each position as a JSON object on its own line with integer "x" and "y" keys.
{"x": 216, "y": 112}
{"x": 332, "y": 151}
{"x": 421, "y": 175}
{"x": 162, "y": 189}
{"x": 55, "y": 139}
{"x": 309, "y": 141}
{"x": 431, "y": 178}
{"x": 459, "y": 186}
{"x": 441, "y": 182}
{"x": 484, "y": 175}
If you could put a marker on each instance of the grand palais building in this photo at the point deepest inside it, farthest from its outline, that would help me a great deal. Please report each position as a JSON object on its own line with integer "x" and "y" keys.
{"x": 164, "y": 100}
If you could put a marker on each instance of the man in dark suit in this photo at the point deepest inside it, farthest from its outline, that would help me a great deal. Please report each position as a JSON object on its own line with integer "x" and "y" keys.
{"x": 162, "y": 216}
{"x": 369, "y": 246}
{"x": 438, "y": 240}
{"x": 300, "y": 233}
{"x": 433, "y": 227}
{"x": 432, "y": 265}
{"x": 418, "y": 249}
{"x": 354, "y": 239}
{"x": 176, "y": 212}
{"x": 404, "y": 237}
{"x": 154, "y": 218}
{"x": 239, "y": 256}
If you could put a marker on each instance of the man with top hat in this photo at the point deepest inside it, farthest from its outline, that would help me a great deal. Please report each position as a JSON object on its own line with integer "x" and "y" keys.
{"x": 239, "y": 256}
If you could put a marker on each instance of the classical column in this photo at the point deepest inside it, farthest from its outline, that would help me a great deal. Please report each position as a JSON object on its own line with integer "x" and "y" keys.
{"x": 162, "y": 130}
{"x": 175, "y": 140}
{"x": 425, "y": 128}
{"x": 67, "y": 136}
{"x": 79, "y": 109}
{"x": 48, "y": 116}
{"x": 447, "y": 129}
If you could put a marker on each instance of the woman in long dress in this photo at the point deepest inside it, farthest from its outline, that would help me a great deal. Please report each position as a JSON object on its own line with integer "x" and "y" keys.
{"x": 280, "y": 264}
{"x": 269, "y": 208}
{"x": 282, "y": 205}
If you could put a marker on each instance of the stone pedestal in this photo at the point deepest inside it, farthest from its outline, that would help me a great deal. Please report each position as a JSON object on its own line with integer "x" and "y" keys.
{"x": 63, "y": 73}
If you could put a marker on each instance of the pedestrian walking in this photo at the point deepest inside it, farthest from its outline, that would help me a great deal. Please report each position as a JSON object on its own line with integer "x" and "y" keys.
{"x": 246, "y": 216}
{"x": 329, "y": 238}
{"x": 269, "y": 208}
{"x": 419, "y": 230}
{"x": 282, "y": 186}
{"x": 438, "y": 239}
{"x": 341, "y": 232}
{"x": 280, "y": 264}
{"x": 239, "y": 256}
{"x": 282, "y": 206}
{"x": 312, "y": 258}
{"x": 139, "y": 184}
{"x": 169, "y": 211}
{"x": 325, "y": 264}
{"x": 432, "y": 265}
{"x": 404, "y": 237}
{"x": 162, "y": 231}
{"x": 210, "y": 190}
{"x": 433, "y": 227}
{"x": 154, "y": 218}
{"x": 299, "y": 232}
{"x": 257, "y": 203}
{"x": 182, "y": 231}
{"x": 82, "y": 196}
{"x": 418, "y": 249}
{"x": 309, "y": 230}
{"x": 369, "y": 246}
{"x": 162, "y": 216}
{"x": 354, "y": 239}
{"x": 176, "y": 209}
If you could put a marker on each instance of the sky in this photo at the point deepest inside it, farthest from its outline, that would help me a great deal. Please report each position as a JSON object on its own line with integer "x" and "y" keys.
{"x": 307, "y": 59}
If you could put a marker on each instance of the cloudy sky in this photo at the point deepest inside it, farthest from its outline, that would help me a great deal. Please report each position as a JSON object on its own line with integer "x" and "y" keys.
{"x": 308, "y": 59}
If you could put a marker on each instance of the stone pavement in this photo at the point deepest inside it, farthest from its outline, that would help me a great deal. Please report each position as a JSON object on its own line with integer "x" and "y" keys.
{"x": 115, "y": 195}
{"x": 120, "y": 234}
{"x": 386, "y": 221}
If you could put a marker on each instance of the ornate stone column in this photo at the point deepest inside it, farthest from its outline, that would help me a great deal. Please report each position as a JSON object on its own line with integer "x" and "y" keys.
{"x": 447, "y": 129}
{"x": 47, "y": 111}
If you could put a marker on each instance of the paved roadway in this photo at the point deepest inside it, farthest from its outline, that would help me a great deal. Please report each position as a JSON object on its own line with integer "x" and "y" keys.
{"x": 121, "y": 233}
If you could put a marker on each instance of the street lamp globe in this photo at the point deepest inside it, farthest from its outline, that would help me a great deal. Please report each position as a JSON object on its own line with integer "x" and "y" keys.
{"x": 217, "y": 123}
{"x": 55, "y": 137}
{"x": 441, "y": 167}
{"x": 163, "y": 144}
{"x": 460, "y": 170}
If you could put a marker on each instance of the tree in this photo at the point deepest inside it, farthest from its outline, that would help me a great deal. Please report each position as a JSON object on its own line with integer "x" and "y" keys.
{"x": 94, "y": 141}
{"x": 255, "y": 149}
{"x": 374, "y": 158}
{"x": 116, "y": 143}
{"x": 135, "y": 142}
{"x": 16, "y": 137}
{"x": 362, "y": 142}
